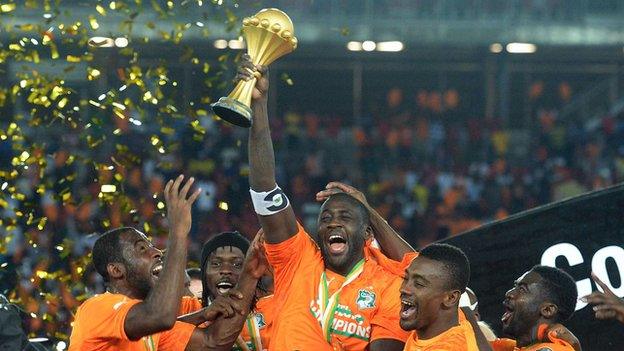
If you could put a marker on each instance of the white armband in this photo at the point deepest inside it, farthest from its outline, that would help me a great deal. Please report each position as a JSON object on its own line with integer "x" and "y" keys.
{"x": 267, "y": 203}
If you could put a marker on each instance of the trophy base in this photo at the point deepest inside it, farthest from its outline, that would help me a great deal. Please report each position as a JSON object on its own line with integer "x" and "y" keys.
{"x": 232, "y": 111}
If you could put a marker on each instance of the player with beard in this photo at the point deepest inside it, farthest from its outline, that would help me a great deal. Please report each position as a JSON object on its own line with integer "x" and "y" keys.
{"x": 222, "y": 260}
{"x": 138, "y": 311}
{"x": 328, "y": 297}
{"x": 540, "y": 298}
{"x": 430, "y": 294}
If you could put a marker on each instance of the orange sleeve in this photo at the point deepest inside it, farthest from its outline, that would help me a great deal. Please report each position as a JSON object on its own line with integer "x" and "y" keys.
{"x": 176, "y": 338}
{"x": 189, "y": 304}
{"x": 564, "y": 345}
{"x": 503, "y": 345}
{"x": 104, "y": 317}
{"x": 385, "y": 323}
{"x": 407, "y": 259}
{"x": 394, "y": 267}
{"x": 285, "y": 257}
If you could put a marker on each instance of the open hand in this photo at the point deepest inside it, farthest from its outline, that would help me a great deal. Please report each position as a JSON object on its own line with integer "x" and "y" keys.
{"x": 606, "y": 304}
{"x": 179, "y": 206}
{"x": 337, "y": 187}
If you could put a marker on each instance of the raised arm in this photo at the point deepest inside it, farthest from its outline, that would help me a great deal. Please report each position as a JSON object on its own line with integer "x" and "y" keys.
{"x": 159, "y": 310}
{"x": 279, "y": 220}
{"x": 482, "y": 343}
{"x": 229, "y": 315}
{"x": 392, "y": 244}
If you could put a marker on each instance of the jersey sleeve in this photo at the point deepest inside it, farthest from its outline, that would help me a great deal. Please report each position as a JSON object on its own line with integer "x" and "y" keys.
{"x": 287, "y": 256}
{"x": 176, "y": 338}
{"x": 385, "y": 323}
{"x": 105, "y": 317}
{"x": 189, "y": 304}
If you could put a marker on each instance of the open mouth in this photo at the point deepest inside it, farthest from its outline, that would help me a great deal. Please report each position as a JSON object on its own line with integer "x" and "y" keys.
{"x": 224, "y": 286}
{"x": 508, "y": 315}
{"x": 157, "y": 269}
{"x": 337, "y": 244}
{"x": 408, "y": 309}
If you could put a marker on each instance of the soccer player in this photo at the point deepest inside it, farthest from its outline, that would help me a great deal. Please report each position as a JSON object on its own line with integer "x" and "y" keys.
{"x": 607, "y": 305}
{"x": 139, "y": 309}
{"x": 331, "y": 295}
{"x": 430, "y": 294}
{"x": 540, "y": 298}
{"x": 222, "y": 265}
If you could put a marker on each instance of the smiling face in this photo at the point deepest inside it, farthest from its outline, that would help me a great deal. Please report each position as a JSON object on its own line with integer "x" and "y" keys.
{"x": 143, "y": 262}
{"x": 342, "y": 231}
{"x": 522, "y": 305}
{"x": 222, "y": 270}
{"x": 423, "y": 293}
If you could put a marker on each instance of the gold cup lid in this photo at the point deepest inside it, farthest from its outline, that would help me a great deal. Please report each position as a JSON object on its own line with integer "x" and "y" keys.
{"x": 274, "y": 20}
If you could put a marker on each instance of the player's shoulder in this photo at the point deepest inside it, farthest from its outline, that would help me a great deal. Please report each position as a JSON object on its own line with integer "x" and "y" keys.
{"x": 383, "y": 277}
{"x": 106, "y": 301}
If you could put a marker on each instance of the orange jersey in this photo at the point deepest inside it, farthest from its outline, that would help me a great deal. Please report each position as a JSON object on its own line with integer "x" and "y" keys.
{"x": 554, "y": 344}
{"x": 258, "y": 322}
{"x": 99, "y": 325}
{"x": 367, "y": 309}
{"x": 189, "y": 304}
{"x": 458, "y": 338}
{"x": 510, "y": 345}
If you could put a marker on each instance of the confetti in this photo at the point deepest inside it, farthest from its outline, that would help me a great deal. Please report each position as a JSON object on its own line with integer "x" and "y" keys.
{"x": 87, "y": 124}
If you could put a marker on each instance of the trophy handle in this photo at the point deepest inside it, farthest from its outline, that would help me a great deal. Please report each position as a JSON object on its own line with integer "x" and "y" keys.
{"x": 235, "y": 107}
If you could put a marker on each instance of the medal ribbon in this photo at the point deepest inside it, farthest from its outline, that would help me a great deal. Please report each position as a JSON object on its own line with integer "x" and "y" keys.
{"x": 241, "y": 344}
{"x": 327, "y": 305}
{"x": 254, "y": 332}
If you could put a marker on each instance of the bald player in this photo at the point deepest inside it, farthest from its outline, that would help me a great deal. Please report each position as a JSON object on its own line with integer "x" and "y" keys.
{"x": 331, "y": 295}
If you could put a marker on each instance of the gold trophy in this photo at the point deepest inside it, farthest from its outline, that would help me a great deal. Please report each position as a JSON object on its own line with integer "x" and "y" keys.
{"x": 269, "y": 35}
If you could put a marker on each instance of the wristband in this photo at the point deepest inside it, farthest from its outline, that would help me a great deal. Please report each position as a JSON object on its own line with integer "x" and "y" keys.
{"x": 267, "y": 203}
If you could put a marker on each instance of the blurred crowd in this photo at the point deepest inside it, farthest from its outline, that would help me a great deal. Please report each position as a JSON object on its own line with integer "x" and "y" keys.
{"x": 429, "y": 168}
{"x": 451, "y": 9}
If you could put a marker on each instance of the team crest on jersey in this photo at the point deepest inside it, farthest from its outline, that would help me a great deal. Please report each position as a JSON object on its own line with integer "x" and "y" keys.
{"x": 365, "y": 299}
{"x": 260, "y": 320}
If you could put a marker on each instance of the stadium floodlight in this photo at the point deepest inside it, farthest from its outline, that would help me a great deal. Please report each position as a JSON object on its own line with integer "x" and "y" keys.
{"x": 108, "y": 188}
{"x": 390, "y": 46}
{"x": 101, "y": 42}
{"x": 521, "y": 48}
{"x": 496, "y": 48}
{"x": 221, "y": 44}
{"x": 236, "y": 44}
{"x": 369, "y": 45}
{"x": 121, "y": 42}
{"x": 354, "y": 46}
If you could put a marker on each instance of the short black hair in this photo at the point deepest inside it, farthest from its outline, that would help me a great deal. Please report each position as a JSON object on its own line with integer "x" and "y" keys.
{"x": 364, "y": 214}
{"x": 107, "y": 249}
{"x": 455, "y": 262}
{"x": 194, "y": 273}
{"x": 560, "y": 289}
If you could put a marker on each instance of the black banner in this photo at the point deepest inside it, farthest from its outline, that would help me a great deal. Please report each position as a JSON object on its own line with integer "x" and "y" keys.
{"x": 578, "y": 235}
